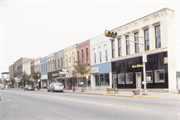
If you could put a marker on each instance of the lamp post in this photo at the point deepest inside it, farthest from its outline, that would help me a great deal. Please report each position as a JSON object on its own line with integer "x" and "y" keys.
{"x": 115, "y": 80}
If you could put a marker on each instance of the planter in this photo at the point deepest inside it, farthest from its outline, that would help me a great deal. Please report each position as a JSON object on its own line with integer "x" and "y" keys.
{"x": 136, "y": 92}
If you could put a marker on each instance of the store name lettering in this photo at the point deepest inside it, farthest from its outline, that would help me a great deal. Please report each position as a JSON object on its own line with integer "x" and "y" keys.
{"x": 55, "y": 74}
{"x": 138, "y": 65}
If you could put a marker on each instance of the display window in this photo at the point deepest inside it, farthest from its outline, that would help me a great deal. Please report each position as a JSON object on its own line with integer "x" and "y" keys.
{"x": 121, "y": 78}
{"x": 159, "y": 76}
{"x": 129, "y": 78}
{"x": 149, "y": 76}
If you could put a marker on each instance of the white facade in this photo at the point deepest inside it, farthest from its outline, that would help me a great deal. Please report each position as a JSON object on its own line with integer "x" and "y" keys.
{"x": 99, "y": 44}
{"x": 27, "y": 67}
{"x": 165, "y": 20}
{"x": 100, "y": 62}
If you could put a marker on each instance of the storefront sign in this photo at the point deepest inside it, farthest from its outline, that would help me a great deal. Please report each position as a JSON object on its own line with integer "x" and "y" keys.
{"x": 54, "y": 74}
{"x": 137, "y": 66}
{"x": 61, "y": 75}
{"x": 95, "y": 70}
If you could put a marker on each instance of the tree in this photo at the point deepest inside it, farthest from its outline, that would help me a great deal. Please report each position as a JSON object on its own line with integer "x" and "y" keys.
{"x": 12, "y": 81}
{"x": 81, "y": 69}
{"x": 26, "y": 78}
{"x": 36, "y": 75}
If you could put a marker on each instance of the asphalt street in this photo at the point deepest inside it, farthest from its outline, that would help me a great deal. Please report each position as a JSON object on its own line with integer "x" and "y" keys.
{"x": 36, "y": 105}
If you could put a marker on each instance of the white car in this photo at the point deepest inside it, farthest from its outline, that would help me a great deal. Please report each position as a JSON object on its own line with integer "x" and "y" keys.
{"x": 55, "y": 87}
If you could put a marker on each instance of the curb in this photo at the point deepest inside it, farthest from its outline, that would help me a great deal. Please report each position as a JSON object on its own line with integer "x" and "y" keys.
{"x": 138, "y": 96}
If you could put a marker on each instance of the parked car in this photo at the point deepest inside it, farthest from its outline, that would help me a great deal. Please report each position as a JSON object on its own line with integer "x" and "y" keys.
{"x": 1, "y": 86}
{"x": 29, "y": 88}
{"x": 55, "y": 87}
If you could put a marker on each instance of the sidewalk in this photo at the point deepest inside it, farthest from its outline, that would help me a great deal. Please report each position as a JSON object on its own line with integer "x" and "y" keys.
{"x": 123, "y": 93}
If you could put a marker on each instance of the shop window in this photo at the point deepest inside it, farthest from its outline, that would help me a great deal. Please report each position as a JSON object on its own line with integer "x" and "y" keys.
{"x": 102, "y": 80}
{"x": 97, "y": 80}
{"x": 159, "y": 76}
{"x": 82, "y": 81}
{"x": 121, "y": 78}
{"x": 149, "y": 76}
{"x": 129, "y": 78}
{"x": 106, "y": 79}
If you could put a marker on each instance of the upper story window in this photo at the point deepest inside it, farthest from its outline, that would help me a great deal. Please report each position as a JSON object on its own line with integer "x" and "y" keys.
{"x": 82, "y": 56}
{"x": 146, "y": 39}
{"x": 69, "y": 59}
{"x": 158, "y": 36}
{"x": 78, "y": 55}
{"x": 106, "y": 55}
{"x": 58, "y": 63}
{"x": 127, "y": 45}
{"x": 62, "y": 62}
{"x": 136, "y": 38}
{"x": 86, "y": 54}
{"x": 113, "y": 48}
{"x": 100, "y": 58}
{"x": 119, "y": 47}
{"x": 94, "y": 57}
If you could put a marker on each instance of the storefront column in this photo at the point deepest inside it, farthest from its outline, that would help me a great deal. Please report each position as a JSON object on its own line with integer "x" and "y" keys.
{"x": 110, "y": 79}
{"x": 92, "y": 82}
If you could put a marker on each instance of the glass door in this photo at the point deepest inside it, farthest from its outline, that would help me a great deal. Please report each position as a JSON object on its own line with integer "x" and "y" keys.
{"x": 138, "y": 80}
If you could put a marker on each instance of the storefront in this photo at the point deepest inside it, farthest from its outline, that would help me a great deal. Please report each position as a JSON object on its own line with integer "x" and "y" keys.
{"x": 100, "y": 76}
{"x": 44, "y": 81}
{"x": 56, "y": 76}
{"x": 128, "y": 73}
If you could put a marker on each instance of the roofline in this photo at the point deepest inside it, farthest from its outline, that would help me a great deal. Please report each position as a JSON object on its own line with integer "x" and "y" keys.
{"x": 143, "y": 17}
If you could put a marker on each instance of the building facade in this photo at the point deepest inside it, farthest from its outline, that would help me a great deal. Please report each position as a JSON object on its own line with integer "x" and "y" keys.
{"x": 83, "y": 54}
{"x": 70, "y": 58}
{"x": 44, "y": 72}
{"x": 157, "y": 35}
{"x": 11, "y": 71}
{"x": 51, "y": 66}
{"x": 100, "y": 62}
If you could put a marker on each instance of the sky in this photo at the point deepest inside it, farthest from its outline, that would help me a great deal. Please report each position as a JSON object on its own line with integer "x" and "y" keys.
{"x": 35, "y": 29}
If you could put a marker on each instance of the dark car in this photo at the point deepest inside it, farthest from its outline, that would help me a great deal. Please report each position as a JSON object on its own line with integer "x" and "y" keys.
{"x": 29, "y": 88}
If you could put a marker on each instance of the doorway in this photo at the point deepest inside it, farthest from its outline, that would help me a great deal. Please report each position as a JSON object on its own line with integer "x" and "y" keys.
{"x": 138, "y": 80}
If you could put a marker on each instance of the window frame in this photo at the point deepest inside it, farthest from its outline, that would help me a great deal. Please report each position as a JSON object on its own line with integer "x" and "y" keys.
{"x": 136, "y": 38}
{"x": 100, "y": 58}
{"x": 119, "y": 47}
{"x": 127, "y": 45}
{"x": 146, "y": 39}
{"x": 113, "y": 48}
{"x": 156, "y": 37}
{"x": 151, "y": 77}
{"x": 126, "y": 77}
{"x": 155, "y": 75}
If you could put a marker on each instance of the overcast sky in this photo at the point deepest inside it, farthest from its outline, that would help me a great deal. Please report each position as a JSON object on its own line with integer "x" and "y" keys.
{"x": 38, "y": 28}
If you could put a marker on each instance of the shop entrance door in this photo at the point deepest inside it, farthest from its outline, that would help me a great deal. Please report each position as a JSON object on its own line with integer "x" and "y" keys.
{"x": 138, "y": 80}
